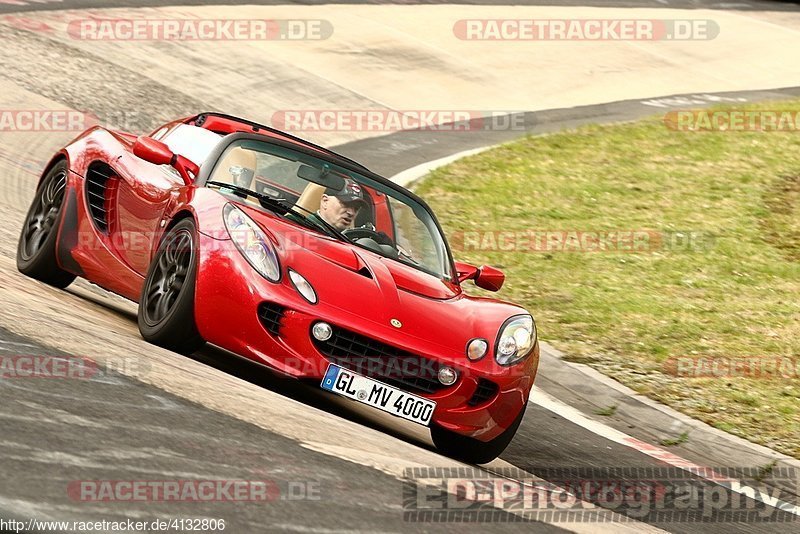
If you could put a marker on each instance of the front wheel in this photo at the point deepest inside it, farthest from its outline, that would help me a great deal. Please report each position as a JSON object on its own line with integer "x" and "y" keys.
{"x": 471, "y": 450}
{"x": 36, "y": 251}
{"x": 166, "y": 306}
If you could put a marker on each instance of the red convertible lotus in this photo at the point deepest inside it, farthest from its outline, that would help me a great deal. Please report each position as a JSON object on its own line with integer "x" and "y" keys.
{"x": 233, "y": 233}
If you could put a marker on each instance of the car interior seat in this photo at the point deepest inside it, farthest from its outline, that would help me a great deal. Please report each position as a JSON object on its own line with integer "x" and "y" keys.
{"x": 310, "y": 198}
{"x": 238, "y": 167}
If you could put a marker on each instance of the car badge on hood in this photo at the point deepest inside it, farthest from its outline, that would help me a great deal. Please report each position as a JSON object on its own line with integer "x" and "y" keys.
{"x": 396, "y": 323}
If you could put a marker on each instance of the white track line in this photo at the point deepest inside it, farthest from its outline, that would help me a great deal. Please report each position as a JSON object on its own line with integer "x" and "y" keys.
{"x": 548, "y": 402}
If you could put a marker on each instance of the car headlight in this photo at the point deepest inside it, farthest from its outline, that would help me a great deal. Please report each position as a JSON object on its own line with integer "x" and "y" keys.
{"x": 252, "y": 243}
{"x": 303, "y": 287}
{"x": 516, "y": 340}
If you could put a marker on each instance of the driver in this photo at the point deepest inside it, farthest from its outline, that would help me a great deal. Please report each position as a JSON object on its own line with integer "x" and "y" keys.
{"x": 339, "y": 208}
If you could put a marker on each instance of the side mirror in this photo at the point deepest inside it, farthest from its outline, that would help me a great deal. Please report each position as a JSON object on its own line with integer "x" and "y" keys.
{"x": 153, "y": 151}
{"x": 485, "y": 277}
{"x": 159, "y": 153}
{"x": 465, "y": 271}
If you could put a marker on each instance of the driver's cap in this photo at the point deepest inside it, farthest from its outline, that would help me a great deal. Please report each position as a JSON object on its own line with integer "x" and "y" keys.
{"x": 351, "y": 192}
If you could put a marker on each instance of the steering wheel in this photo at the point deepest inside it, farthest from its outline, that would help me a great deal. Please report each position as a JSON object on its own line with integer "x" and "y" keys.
{"x": 355, "y": 234}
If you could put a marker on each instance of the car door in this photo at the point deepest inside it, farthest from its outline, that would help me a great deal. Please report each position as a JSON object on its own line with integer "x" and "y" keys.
{"x": 145, "y": 193}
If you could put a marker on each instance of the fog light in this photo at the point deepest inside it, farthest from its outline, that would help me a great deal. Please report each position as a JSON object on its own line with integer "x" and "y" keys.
{"x": 447, "y": 376}
{"x": 477, "y": 349}
{"x": 322, "y": 331}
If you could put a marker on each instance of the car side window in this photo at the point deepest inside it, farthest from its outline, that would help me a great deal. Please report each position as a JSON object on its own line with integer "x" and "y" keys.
{"x": 413, "y": 236}
{"x": 192, "y": 142}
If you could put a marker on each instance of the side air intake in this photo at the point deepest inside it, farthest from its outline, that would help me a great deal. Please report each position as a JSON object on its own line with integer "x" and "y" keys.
{"x": 101, "y": 187}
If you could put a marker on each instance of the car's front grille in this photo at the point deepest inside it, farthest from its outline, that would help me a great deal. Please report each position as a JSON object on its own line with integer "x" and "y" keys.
{"x": 375, "y": 359}
{"x": 486, "y": 391}
{"x": 270, "y": 315}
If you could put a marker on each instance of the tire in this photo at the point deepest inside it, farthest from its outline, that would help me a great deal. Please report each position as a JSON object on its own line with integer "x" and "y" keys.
{"x": 471, "y": 450}
{"x": 36, "y": 249}
{"x": 166, "y": 306}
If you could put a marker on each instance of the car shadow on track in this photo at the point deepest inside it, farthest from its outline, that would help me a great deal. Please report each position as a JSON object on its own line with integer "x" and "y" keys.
{"x": 304, "y": 391}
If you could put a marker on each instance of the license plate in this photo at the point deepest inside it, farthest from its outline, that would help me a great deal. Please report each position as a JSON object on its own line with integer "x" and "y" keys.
{"x": 377, "y": 394}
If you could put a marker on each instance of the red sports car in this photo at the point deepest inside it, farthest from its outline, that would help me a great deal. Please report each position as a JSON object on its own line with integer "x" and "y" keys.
{"x": 233, "y": 233}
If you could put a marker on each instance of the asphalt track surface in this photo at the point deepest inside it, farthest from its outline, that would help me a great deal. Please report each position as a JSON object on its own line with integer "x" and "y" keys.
{"x": 112, "y": 427}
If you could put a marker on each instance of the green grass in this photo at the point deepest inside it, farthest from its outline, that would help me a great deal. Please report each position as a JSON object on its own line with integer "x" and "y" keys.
{"x": 680, "y": 440}
{"x": 735, "y": 292}
{"x": 765, "y": 471}
{"x": 608, "y": 411}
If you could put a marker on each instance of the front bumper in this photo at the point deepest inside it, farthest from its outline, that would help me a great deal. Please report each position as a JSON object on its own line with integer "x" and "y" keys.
{"x": 229, "y": 295}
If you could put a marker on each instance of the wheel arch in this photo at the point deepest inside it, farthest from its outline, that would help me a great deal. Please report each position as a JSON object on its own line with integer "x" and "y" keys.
{"x": 60, "y": 156}
{"x": 183, "y": 213}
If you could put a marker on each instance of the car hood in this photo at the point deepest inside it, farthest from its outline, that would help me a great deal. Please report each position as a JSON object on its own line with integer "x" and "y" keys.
{"x": 297, "y": 244}
{"x": 388, "y": 275}
{"x": 368, "y": 286}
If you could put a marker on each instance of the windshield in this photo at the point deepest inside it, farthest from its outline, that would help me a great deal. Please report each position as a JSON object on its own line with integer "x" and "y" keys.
{"x": 336, "y": 201}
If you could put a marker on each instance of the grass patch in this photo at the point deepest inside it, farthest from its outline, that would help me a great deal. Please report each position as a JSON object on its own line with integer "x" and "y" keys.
{"x": 765, "y": 470}
{"x": 672, "y": 442}
{"x": 608, "y": 411}
{"x": 719, "y": 277}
